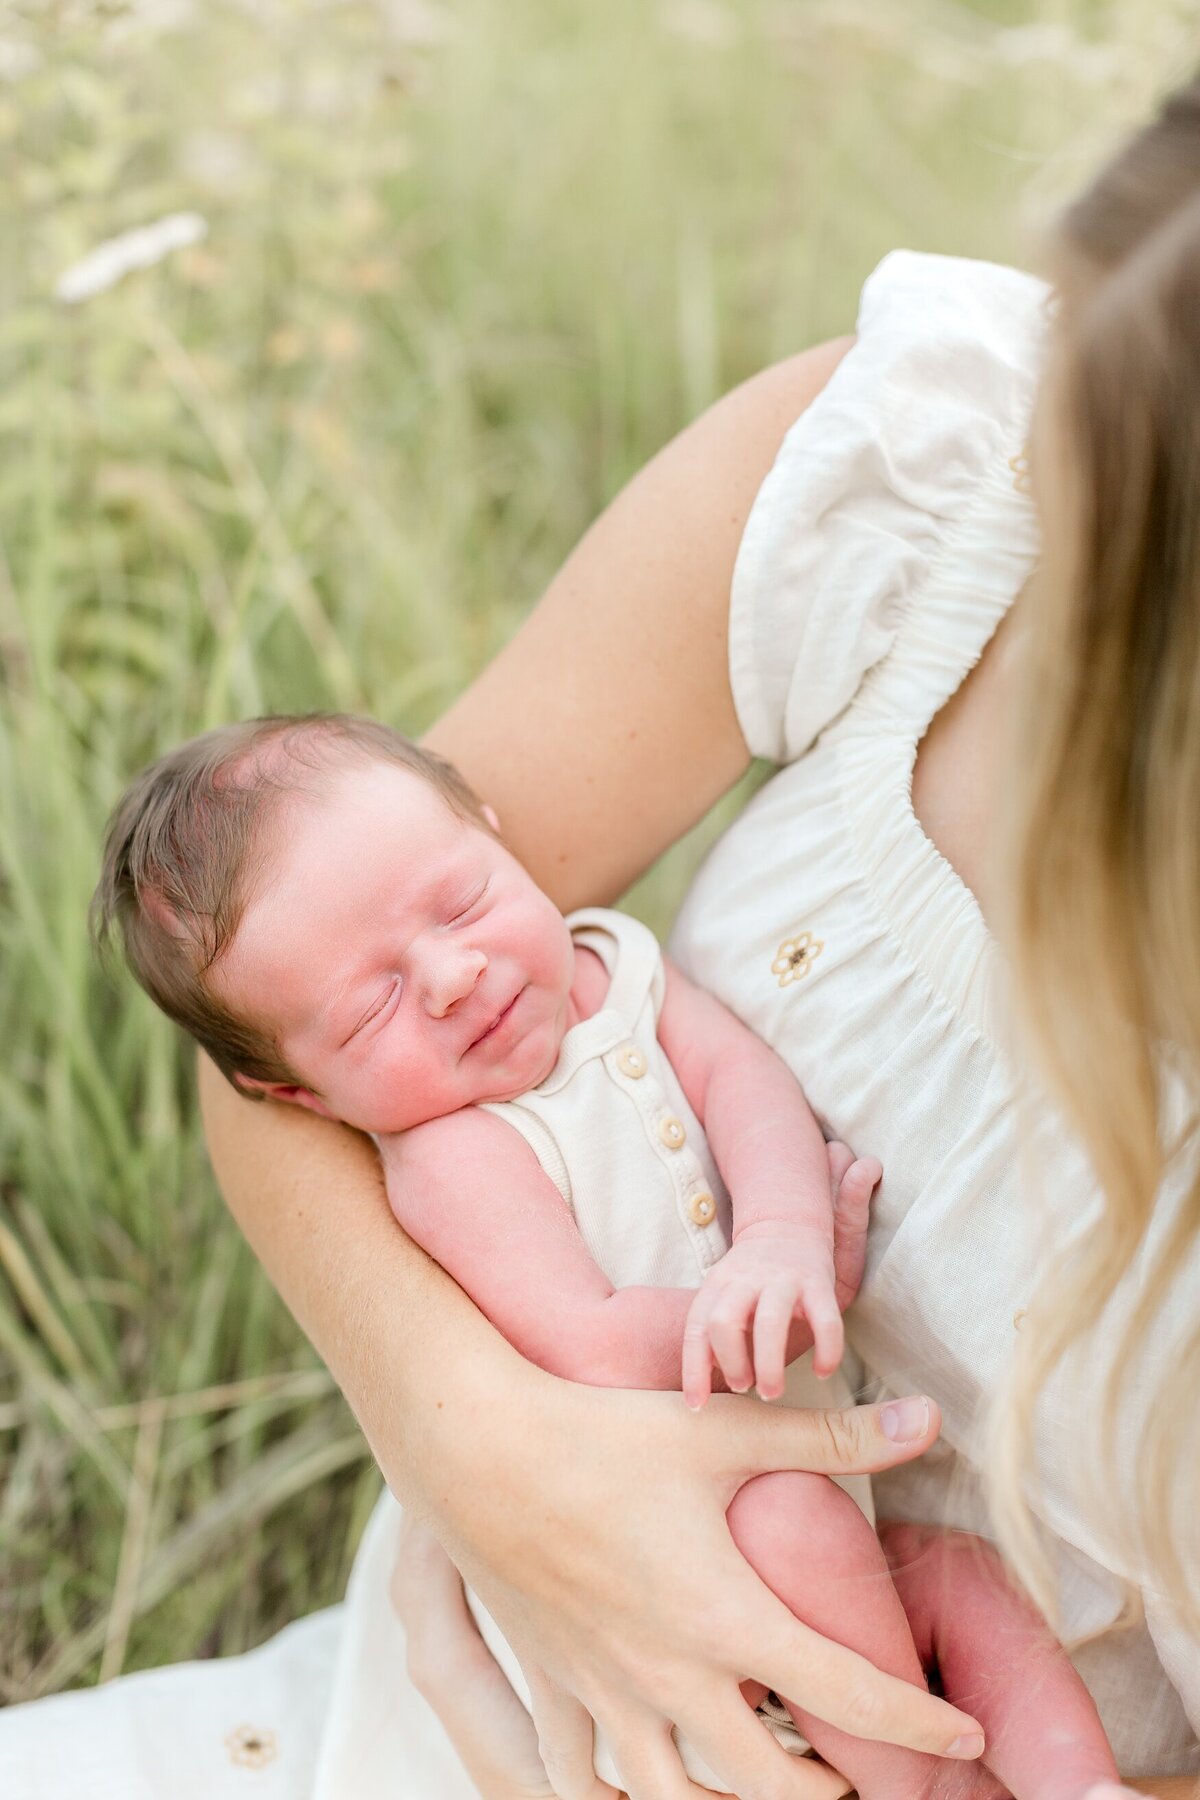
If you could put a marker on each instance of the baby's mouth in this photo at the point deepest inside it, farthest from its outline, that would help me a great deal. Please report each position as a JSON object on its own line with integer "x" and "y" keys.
{"x": 500, "y": 1018}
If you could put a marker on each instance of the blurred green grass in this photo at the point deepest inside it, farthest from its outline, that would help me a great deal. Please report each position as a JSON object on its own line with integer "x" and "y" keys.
{"x": 467, "y": 266}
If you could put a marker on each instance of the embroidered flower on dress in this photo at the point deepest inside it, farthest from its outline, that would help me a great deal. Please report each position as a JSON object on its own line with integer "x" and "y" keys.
{"x": 251, "y": 1748}
{"x": 795, "y": 957}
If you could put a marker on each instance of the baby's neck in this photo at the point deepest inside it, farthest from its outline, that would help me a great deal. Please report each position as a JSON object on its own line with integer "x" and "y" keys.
{"x": 589, "y": 987}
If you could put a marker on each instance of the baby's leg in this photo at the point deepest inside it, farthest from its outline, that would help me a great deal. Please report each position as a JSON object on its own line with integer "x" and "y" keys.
{"x": 996, "y": 1657}
{"x": 816, "y": 1551}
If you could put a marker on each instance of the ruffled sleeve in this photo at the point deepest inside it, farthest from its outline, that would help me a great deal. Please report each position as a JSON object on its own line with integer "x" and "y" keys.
{"x": 869, "y": 484}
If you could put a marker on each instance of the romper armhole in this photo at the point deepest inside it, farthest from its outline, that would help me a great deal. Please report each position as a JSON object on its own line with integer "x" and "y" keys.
{"x": 629, "y": 951}
{"x": 881, "y": 467}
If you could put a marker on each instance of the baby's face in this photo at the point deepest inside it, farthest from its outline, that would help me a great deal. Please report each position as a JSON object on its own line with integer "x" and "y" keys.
{"x": 405, "y": 960}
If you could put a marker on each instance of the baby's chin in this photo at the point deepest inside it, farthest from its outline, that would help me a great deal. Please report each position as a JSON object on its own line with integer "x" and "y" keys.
{"x": 535, "y": 1060}
{"x": 506, "y": 1087}
{"x": 511, "y": 1087}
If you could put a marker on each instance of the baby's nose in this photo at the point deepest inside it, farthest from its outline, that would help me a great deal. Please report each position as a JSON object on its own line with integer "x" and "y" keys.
{"x": 451, "y": 976}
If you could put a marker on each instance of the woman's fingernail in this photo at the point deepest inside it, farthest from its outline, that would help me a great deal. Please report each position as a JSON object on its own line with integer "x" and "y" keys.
{"x": 1110, "y": 1790}
{"x": 967, "y": 1748}
{"x": 904, "y": 1421}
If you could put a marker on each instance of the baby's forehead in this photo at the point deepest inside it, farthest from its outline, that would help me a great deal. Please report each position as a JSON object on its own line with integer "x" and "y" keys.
{"x": 327, "y": 774}
{"x": 363, "y": 804}
{"x": 376, "y": 786}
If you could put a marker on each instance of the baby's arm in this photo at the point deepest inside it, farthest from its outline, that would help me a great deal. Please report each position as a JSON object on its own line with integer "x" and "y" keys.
{"x": 468, "y": 1188}
{"x": 770, "y": 1150}
{"x": 471, "y": 1192}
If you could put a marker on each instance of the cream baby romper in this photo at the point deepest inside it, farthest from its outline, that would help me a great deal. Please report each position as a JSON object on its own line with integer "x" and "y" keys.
{"x": 612, "y": 1128}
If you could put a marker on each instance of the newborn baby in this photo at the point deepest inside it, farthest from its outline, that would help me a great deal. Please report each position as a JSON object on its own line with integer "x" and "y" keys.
{"x": 626, "y": 1180}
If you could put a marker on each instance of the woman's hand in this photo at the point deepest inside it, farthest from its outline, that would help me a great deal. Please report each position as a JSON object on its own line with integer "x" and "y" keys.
{"x": 604, "y": 1556}
{"x": 451, "y": 1667}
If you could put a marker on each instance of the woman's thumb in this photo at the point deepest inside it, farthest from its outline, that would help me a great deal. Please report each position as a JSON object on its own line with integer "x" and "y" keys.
{"x": 855, "y": 1441}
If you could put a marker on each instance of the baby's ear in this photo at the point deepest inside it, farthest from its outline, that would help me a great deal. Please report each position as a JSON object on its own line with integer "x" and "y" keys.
{"x": 288, "y": 1092}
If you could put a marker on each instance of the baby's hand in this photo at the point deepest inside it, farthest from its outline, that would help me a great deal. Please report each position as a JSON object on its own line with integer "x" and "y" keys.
{"x": 773, "y": 1273}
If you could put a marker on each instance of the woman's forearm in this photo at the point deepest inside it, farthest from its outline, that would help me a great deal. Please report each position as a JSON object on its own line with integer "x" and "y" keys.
{"x": 1166, "y": 1787}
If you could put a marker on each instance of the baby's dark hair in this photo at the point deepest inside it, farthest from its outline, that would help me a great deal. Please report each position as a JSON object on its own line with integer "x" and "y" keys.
{"x": 186, "y": 840}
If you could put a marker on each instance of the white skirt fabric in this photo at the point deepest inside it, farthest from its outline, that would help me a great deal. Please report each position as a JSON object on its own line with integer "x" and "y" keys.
{"x": 324, "y": 1711}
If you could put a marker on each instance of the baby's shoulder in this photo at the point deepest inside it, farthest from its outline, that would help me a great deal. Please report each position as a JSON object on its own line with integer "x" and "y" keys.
{"x": 457, "y": 1149}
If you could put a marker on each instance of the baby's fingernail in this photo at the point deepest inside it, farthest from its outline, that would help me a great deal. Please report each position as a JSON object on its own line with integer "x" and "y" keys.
{"x": 904, "y": 1421}
{"x": 968, "y": 1747}
{"x": 1109, "y": 1790}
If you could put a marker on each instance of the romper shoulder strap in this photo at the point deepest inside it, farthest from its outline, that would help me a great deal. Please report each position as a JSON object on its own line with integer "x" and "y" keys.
{"x": 630, "y": 952}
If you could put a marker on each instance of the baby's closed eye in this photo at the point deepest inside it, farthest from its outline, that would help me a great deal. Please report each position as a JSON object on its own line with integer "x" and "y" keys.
{"x": 476, "y": 900}
{"x": 374, "y": 1013}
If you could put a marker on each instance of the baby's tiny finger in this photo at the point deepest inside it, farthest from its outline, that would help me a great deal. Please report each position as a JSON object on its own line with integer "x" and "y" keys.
{"x": 727, "y": 1334}
{"x": 860, "y": 1181}
{"x": 841, "y": 1159}
{"x": 697, "y": 1361}
{"x": 772, "y": 1322}
{"x": 825, "y": 1320}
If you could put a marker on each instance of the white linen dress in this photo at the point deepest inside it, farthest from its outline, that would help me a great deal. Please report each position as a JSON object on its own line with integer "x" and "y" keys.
{"x": 883, "y": 549}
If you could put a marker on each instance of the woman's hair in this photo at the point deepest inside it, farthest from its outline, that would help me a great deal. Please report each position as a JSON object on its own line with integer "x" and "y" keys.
{"x": 1105, "y": 926}
{"x": 190, "y": 836}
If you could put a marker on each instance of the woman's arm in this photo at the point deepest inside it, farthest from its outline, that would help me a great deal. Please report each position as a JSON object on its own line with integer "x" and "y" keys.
{"x": 606, "y": 727}
{"x": 600, "y": 734}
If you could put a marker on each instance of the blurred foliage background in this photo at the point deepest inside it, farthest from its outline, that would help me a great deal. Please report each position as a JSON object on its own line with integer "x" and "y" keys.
{"x": 457, "y": 269}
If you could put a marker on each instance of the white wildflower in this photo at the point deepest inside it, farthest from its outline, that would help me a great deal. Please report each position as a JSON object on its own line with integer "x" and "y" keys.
{"x": 18, "y": 59}
{"x": 145, "y": 20}
{"x": 104, "y": 266}
{"x": 260, "y": 96}
{"x": 417, "y": 22}
{"x": 701, "y": 21}
{"x": 214, "y": 159}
